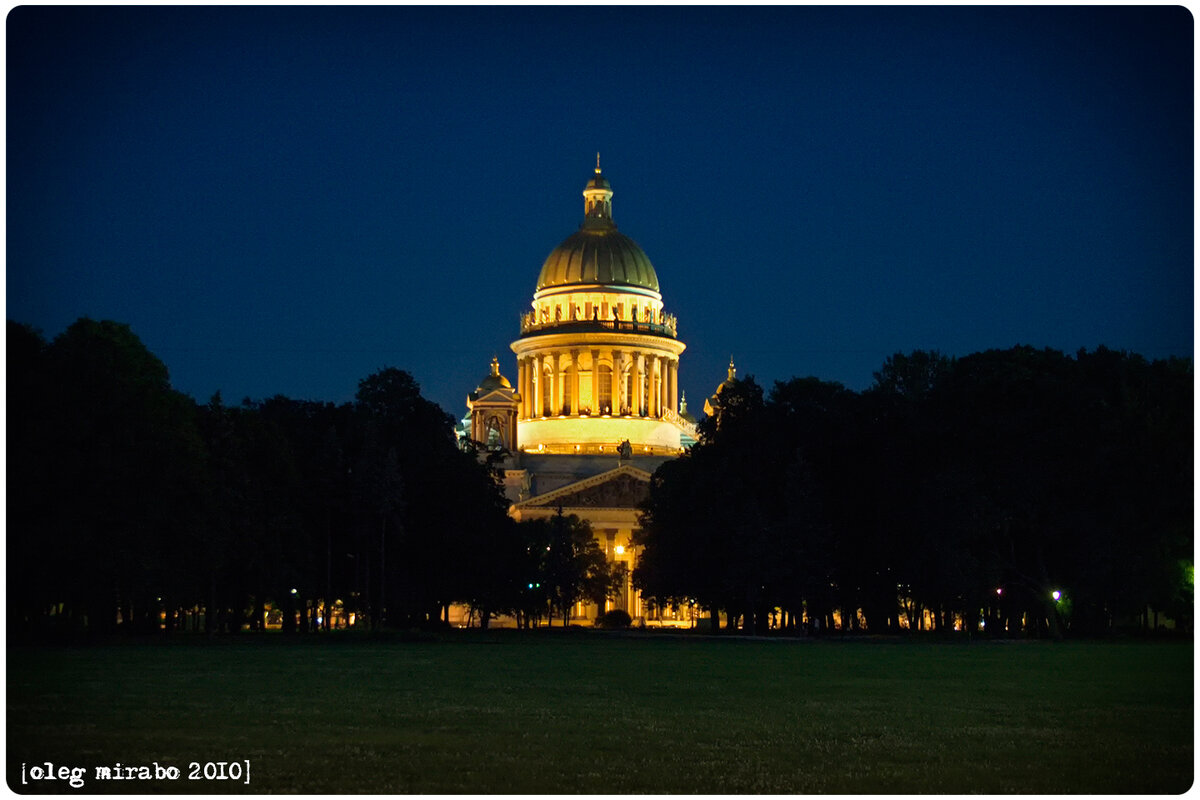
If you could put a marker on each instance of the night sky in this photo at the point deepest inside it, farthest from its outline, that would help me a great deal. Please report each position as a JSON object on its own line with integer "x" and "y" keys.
{"x": 285, "y": 200}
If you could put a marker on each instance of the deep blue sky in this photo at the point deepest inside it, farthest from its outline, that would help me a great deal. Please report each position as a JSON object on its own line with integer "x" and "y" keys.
{"x": 284, "y": 200}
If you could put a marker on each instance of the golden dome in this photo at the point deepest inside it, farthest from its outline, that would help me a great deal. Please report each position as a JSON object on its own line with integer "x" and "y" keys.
{"x": 598, "y": 256}
{"x": 598, "y": 253}
{"x": 492, "y": 381}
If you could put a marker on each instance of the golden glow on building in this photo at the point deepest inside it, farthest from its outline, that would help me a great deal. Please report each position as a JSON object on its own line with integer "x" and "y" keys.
{"x": 593, "y": 409}
{"x": 598, "y": 357}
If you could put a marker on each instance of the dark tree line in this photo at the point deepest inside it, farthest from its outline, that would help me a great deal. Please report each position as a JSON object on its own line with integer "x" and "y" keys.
{"x": 132, "y": 507}
{"x": 952, "y": 493}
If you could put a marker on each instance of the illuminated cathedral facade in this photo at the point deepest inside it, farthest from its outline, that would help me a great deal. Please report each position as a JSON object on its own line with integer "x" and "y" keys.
{"x": 596, "y": 406}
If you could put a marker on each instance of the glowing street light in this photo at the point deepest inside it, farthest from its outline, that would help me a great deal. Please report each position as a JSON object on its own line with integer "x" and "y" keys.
{"x": 1057, "y": 595}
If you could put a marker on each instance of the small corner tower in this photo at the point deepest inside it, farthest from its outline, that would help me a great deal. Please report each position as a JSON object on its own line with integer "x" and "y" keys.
{"x": 713, "y": 403}
{"x": 493, "y": 406}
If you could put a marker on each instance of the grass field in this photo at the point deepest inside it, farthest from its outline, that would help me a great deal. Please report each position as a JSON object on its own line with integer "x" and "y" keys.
{"x": 571, "y": 712}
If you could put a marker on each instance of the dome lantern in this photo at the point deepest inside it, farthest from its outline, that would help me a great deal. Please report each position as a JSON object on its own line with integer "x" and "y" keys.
{"x": 597, "y": 199}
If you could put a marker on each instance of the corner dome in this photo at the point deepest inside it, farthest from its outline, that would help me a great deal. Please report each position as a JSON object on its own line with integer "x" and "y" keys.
{"x": 598, "y": 253}
{"x": 494, "y": 380}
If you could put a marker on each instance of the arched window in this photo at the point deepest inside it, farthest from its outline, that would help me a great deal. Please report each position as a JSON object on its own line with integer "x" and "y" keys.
{"x": 495, "y": 439}
{"x": 604, "y": 389}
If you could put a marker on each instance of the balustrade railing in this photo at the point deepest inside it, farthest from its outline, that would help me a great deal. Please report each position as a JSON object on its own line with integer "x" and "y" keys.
{"x": 671, "y": 416}
{"x": 530, "y": 323}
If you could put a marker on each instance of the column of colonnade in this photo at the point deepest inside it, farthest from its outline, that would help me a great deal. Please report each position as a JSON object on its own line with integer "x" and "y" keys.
{"x": 521, "y": 387}
{"x": 539, "y": 385}
{"x": 526, "y": 379}
{"x": 673, "y": 384}
{"x": 652, "y": 386}
{"x": 523, "y": 378}
{"x": 556, "y": 384}
{"x": 660, "y": 366}
{"x": 574, "y": 378}
{"x": 524, "y": 368}
{"x": 530, "y": 365}
{"x": 615, "y": 381}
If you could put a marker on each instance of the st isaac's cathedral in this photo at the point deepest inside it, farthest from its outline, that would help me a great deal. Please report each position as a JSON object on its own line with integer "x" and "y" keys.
{"x": 595, "y": 408}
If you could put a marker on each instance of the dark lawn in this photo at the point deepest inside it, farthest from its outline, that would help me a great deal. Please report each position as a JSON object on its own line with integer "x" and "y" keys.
{"x": 554, "y": 712}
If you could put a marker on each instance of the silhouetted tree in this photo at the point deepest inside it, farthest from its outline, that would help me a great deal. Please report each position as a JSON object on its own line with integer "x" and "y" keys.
{"x": 453, "y": 505}
{"x": 36, "y": 588}
{"x": 118, "y": 481}
{"x": 1024, "y": 471}
{"x": 575, "y": 566}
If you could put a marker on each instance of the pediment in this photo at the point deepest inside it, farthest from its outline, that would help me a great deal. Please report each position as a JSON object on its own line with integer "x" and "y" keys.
{"x": 623, "y": 487}
{"x": 497, "y": 397}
